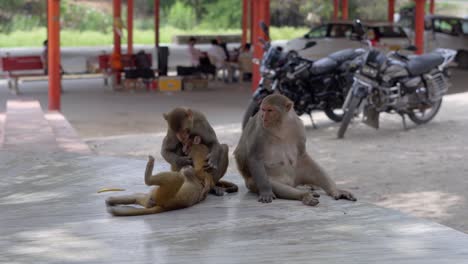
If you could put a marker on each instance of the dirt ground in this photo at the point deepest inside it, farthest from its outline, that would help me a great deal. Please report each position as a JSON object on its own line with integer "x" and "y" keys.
{"x": 421, "y": 171}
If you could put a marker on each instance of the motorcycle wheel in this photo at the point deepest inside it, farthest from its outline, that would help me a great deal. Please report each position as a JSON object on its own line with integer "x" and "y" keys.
{"x": 335, "y": 114}
{"x": 421, "y": 117}
{"x": 252, "y": 109}
{"x": 348, "y": 115}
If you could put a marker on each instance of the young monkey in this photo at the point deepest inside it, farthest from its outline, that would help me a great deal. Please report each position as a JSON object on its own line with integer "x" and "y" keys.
{"x": 176, "y": 189}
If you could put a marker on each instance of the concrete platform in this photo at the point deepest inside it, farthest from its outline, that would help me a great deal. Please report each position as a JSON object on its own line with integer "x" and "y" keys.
{"x": 51, "y": 213}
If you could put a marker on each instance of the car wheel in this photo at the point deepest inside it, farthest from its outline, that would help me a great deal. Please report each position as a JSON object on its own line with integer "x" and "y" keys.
{"x": 462, "y": 59}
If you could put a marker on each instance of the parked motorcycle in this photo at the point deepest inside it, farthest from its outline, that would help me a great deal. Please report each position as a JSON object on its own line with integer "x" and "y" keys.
{"x": 410, "y": 86}
{"x": 311, "y": 85}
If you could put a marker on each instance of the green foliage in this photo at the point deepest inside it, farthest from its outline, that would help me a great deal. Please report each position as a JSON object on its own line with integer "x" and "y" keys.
{"x": 223, "y": 15}
{"x": 82, "y": 18}
{"x": 181, "y": 16}
{"x": 70, "y": 38}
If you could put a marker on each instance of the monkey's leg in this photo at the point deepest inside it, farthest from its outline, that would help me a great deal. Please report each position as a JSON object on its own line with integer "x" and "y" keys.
{"x": 169, "y": 184}
{"x": 228, "y": 187}
{"x": 132, "y": 211}
{"x": 137, "y": 198}
{"x": 284, "y": 191}
{"x": 219, "y": 172}
{"x": 223, "y": 163}
{"x": 309, "y": 172}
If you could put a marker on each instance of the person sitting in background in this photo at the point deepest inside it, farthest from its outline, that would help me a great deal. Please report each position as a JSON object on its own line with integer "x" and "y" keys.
{"x": 195, "y": 54}
{"x": 223, "y": 45}
{"x": 245, "y": 63}
{"x": 44, "y": 57}
{"x": 216, "y": 54}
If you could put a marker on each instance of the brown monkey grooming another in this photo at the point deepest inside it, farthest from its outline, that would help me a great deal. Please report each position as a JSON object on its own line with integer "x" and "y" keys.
{"x": 272, "y": 158}
{"x": 176, "y": 189}
{"x": 186, "y": 123}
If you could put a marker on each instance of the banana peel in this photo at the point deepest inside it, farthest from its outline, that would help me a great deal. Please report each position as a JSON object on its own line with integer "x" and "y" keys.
{"x": 110, "y": 190}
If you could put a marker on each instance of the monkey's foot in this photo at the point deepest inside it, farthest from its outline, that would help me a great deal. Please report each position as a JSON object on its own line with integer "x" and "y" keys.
{"x": 342, "y": 194}
{"x": 110, "y": 202}
{"x": 310, "y": 200}
{"x": 218, "y": 191}
{"x": 267, "y": 197}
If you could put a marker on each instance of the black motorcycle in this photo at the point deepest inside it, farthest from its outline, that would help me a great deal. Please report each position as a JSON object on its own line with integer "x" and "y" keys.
{"x": 395, "y": 83}
{"x": 311, "y": 85}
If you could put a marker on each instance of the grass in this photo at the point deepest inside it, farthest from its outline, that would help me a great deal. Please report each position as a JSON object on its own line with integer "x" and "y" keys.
{"x": 70, "y": 38}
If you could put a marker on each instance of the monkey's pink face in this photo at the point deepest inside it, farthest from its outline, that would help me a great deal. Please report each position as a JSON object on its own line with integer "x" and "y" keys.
{"x": 183, "y": 136}
{"x": 270, "y": 115}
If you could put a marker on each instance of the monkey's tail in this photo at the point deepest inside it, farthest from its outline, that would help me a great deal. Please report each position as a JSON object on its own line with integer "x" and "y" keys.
{"x": 121, "y": 210}
{"x": 229, "y": 187}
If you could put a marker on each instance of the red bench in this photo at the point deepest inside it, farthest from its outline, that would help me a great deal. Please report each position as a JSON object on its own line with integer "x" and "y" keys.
{"x": 128, "y": 62}
{"x": 27, "y": 67}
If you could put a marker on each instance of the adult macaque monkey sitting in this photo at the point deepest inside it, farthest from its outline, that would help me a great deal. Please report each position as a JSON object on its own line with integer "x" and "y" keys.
{"x": 272, "y": 158}
{"x": 187, "y": 123}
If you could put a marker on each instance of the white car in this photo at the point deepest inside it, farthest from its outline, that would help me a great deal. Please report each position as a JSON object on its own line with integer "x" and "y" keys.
{"x": 440, "y": 32}
{"x": 333, "y": 36}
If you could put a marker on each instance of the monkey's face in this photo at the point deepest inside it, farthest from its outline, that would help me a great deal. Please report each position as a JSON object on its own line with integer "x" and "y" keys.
{"x": 270, "y": 115}
{"x": 183, "y": 136}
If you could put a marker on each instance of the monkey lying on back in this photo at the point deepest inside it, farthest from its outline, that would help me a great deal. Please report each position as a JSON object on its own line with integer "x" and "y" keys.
{"x": 189, "y": 123}
{"x": 176, "y": 189}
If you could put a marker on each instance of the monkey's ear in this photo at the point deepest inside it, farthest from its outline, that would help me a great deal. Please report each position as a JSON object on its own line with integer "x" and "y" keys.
{"x": 288, "y": 106}
{"x": 166, "y": 116}
{"x": 189, "y": 113}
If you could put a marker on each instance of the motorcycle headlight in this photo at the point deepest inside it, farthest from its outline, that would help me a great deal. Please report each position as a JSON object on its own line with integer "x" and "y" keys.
{"x": 369, "y": 71}
{"x": 267, "y": 72}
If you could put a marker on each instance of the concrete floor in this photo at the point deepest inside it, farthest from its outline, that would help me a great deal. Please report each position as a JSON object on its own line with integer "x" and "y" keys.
{"x": 51, "y": 212}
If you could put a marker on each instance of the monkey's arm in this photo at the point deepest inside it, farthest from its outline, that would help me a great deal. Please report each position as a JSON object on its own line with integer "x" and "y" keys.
{"x": 208, "y": 137}
{"x": 169, "y": 152}
{"x": 256, "y": 165}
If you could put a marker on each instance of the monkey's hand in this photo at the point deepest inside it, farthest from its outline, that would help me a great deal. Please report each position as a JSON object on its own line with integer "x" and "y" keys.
{"x": 183, "y": 161}
{"x": 266, "y": 196}
{"x": 342, "y": 194}
{"x": 150, "y": 159}
{"x": 213, "y": 158}
{"x": 218, "y": 191}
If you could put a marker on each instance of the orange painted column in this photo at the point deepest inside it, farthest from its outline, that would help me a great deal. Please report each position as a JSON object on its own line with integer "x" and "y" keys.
{"x": 117, "y": 5}
{"x": 336, "y": 7}
{"x": 419, "y": 26}
{"x": 391, "y": 10}
{"x": 344, "y": 9}
{"x": 432, "y": 7}
{"x": 53, "y": 53}
{"x": 245, "y": 14}
{"x": 261, "y": 11}
{"x": 130, "y": 26}
{"x": 252, "y": 5}
{"x": 156, "y": 24}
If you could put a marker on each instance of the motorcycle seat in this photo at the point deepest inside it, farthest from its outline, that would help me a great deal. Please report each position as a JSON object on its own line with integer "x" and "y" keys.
{"x": 323, "y": 65}
{"x": 343, "y": 55}
{"x": 423, "y": 63}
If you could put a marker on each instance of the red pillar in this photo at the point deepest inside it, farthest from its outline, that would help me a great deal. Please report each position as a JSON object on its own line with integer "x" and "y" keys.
{"x": 53, "y": 24}
{"x": 253, "y": 9}
{"x": 156, "y": 24}
{"x": 419, "y": 26}
{"x": 391, "y": 10}
{"x": 432, "y": 7}
{"x": 117, "y": 5}
{"x": 344, "y": 10}
{"x": 245, "y": 13}
{"x": 261, "y": 11}
{"x": 130, "y": 26}
{"x": 335, "y": 9}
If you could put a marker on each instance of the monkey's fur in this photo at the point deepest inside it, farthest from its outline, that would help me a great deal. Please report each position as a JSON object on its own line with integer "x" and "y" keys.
{"x": 272, "y": 158}
{"x": 176, "y": 189}
{"x": 194, "y": 123}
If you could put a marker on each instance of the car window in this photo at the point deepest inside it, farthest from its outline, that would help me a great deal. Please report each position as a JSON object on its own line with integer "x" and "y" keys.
{"x": 464, "y": 25}
{"x": 447, "y": 26}
{"x": 340, "y": 31}
{"x": 318, "y": 32}
{"x": 390, "y": 32}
